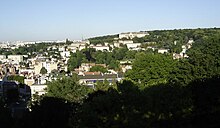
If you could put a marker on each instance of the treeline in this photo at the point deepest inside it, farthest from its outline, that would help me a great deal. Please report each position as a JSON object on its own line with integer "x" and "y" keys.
{"x": 165, "y": 38}
{"x": 103, "y": 39}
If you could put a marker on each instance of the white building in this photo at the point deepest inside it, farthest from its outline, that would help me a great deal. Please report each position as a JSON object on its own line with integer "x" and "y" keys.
{"x": 65, "y": 54}
{"x": 133, "y": 45}
{"x": 162, "y": 51}
{"x": 16, "y": 58}
{"x": 2, "y": 57}
{"x": 61, "y": 48}
{"x": 101, "y": 48}
{"x": 125, "y": 41}
{"x": 38, "y": 89}
{"x": 48, "y": 65}
{"x": 82, "y": 46}
{"x": 29, "y": 82}
{"x": 74, "y": 45}
{"x": 72, "y": 48}
{"x": 131, "y": 35}
{"x": 117, "y": 45}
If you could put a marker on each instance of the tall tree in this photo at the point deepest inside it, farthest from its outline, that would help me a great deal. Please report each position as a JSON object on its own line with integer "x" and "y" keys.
{"x": 43, "y": 71}
{"x": 68, "y": 89}
{"x": 151, "y": 68}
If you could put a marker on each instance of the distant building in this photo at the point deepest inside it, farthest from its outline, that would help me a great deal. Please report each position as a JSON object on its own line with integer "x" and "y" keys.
{"x": 38, "y": 89}
{"x": 131, "y": 46}
{"x": 176, "y": 56}
{"x": 16, "y": 58}
{"x": 48, "y": 65}
{"x": 2, "y": 57}
{"x": 85, "y": 67}
{"x": 125, "y": 42}
{"x": 29, "y": 82}
{"x": 101, "y": 48}
{"x": 91, "y": 78}
{"x": 162, "y": 51}
{"x": 131, "y": 35}
{"x": 81, "y": 47}
{"x": 116, "y": 44}
{"x": 65, "y": 54}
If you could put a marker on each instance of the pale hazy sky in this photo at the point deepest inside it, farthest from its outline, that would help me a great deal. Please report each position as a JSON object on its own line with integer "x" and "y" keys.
{"x": 29, "y": 20}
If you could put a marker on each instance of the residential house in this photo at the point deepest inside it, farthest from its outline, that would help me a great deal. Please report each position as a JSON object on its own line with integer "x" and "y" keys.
{"x": 91, "y": 78}
{"x": 162, "y": 51}
{"x": 16, "y": 58}
{"x": 47, "y": 64}
{"x": 125, "y": 42}
{"x": 38, "y": 89}
{"x": 65, "y": 54}
{"x": 85, "y": 67}
{"x": 29, "y": 82}
{"x": 132, "y": 46}
{"x": 101, "y": 48}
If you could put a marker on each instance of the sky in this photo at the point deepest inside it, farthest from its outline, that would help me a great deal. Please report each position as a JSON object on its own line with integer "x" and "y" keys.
{"x": 32, "y": 20}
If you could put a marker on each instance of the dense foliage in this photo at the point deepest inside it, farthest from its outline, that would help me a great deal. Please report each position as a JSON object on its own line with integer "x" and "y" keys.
{"x": 90, "y": 55}
{"x": 128, "y": 105}
{"x": 98, "y": 68}
{"x": 67, "y": 88}
{"x": 17, "y": 78}
{"x": 151, "y": 68}
{"x": 103, "y": 39}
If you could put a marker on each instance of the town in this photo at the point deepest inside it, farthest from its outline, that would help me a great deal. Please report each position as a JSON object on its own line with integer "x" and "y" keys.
{"x": 37, "y": 70}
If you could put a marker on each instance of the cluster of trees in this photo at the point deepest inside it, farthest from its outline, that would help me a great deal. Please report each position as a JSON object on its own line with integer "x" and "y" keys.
{"x": 5, "y": 116}
{"x": 166, "y": 38}
{"x": 103, "y": 39}
{"x": 127, "y": 105}
{"x": 17, "y": 78}
{"x": 203, "y": 62}
{"x": 98, "y": 68}
{"x": 109, "y": 58}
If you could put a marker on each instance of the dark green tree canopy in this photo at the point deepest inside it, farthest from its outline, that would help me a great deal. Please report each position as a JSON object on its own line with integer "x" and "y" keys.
{"x": 151, "y": 68}
{"x": 98, "y": 68}
{"x": 43, "y": 71}
{"x": 68, "y": 89}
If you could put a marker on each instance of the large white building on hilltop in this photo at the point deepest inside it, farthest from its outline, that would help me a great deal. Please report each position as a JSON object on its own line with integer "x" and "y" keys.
{"x": 131, "y": 35}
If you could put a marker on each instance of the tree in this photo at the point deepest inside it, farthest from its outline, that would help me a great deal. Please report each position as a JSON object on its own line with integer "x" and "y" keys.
{"x": 119, "y": 53}
{"x": 68, "y": 89}
{"x": 104, "y": 85}
{"x": 20, "y": 79}
{"x": 205, "y": 57}
{"x": 98, "y": 68}
{"x": 43, "y": 71}
{"x": 76, "y": 59}
{"x": 5, "y": 115}
{"x": 130, "y": 106}
{"x": 151, "y": 69}
{"x": 49, "y": 112}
